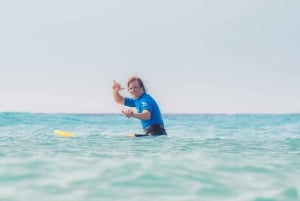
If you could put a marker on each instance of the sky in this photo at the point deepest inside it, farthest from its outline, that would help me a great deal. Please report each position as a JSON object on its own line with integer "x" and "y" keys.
{"x": 195, "y": 56}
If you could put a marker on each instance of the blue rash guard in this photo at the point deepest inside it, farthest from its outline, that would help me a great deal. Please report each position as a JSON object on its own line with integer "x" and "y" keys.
{"x": 146, "y": 102}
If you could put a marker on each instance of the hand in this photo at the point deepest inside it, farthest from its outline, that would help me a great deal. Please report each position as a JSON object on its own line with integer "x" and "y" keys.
{"x": 128, "y": 113}
{"x": 117, "y": 86}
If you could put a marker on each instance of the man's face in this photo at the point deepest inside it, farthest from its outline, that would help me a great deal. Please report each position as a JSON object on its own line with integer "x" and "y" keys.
{"x": 135, "y": 90}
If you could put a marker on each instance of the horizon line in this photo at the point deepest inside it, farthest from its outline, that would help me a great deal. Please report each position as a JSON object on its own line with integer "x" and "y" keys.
{"x": 163, "y": 113}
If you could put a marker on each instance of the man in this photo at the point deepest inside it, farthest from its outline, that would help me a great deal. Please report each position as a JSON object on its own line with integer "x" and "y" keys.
{"x": 147, "y": 109}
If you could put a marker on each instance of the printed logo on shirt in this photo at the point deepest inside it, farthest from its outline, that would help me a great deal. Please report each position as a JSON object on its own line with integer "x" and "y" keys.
{"x": 144, "y": 104}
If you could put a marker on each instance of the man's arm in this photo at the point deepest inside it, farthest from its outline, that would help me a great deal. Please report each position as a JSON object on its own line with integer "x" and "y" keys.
{"x": 145, "y": 115}
{"x": 116, "y": 93}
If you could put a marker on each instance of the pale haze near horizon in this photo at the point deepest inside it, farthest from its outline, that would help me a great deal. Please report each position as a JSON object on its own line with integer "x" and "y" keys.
{"x": 194, "y": 56}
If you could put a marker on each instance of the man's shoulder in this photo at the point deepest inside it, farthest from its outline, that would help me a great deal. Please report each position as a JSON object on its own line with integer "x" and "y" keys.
{"x": 146, "y": 96}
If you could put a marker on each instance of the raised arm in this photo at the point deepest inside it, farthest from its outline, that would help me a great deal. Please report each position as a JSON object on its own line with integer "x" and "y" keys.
{"x": 118, "y": 98}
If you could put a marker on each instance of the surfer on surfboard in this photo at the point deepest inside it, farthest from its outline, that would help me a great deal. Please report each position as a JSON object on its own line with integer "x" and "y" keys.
{"x": 147, "y": 110}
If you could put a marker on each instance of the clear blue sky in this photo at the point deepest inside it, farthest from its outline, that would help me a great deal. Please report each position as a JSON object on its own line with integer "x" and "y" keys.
{"x": 195, "y": 56}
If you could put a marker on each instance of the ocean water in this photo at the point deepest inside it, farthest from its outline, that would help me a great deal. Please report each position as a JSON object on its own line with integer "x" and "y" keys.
{"x": 207, "y": 157}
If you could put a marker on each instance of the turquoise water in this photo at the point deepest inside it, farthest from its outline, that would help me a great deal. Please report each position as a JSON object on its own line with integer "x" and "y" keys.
{"x": 243, "y": 157}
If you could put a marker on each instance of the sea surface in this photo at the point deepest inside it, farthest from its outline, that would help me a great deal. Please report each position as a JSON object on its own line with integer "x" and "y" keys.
{"x": 205, "y": 157}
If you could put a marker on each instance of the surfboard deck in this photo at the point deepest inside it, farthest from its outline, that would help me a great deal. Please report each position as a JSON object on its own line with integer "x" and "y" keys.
{"x": 61, "y": 133}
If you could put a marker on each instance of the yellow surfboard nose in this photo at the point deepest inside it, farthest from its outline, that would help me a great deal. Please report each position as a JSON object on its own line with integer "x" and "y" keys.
{"x": 63, "y": 133}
